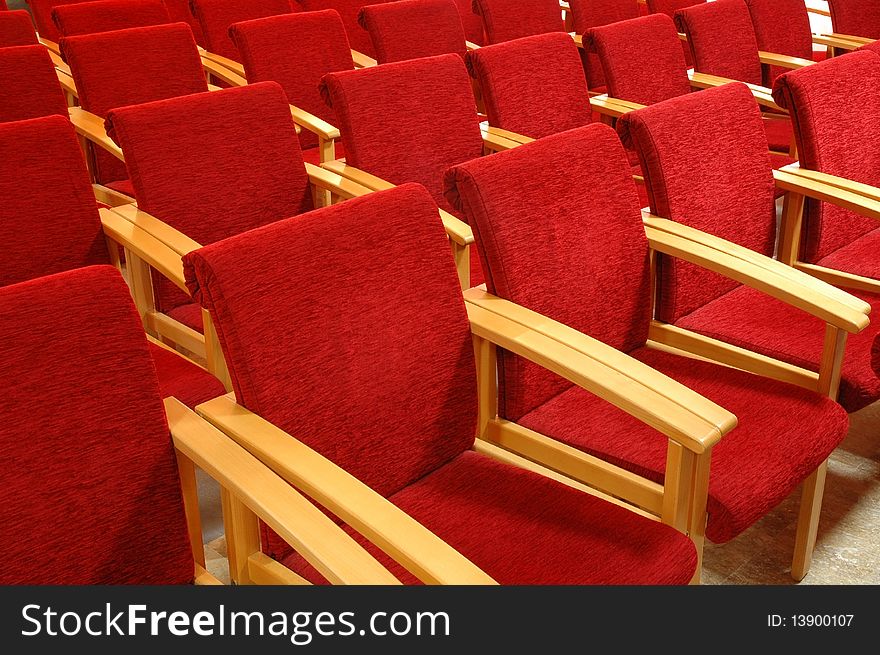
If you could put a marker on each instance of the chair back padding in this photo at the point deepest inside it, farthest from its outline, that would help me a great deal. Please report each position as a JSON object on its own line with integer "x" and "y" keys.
{"x": 92, "y": 493}
{"x": 131, "y": 67}
{"x": 213, "y": 164}
{"x": 781, "y": 26}
{"x": 48, "y": 217}
{"x": 407, "y": 121}
{"x": 356, "y": 345}
{"x": 30, "y": 87}
{"x": 722, "y": 40}
{"x": 706, "y": 165}
{"x": 587, "y": 14}
{"x": 348, "y": 11}
{"x": 295, "y": 50}
{"x": 856, "y": 17}
{"x": 409, "y": 29}
{"x": 41, "y": 10}
{"x": 215, "y": 17}
{"x": 16, "y": 28}
{"x": 533, "y": 86}
{"x": 107, "y": 15}
{"x": 575, "y": 252}
{"x": 835, "y": 109}
{"x": 505, "y": 20}
{"x": 641, "y": 59}
{"x": 180, "y": 11}
{"x": 669, "y": 7}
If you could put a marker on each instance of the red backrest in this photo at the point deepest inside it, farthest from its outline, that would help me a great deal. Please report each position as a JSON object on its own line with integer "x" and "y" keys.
{"x": 587, "y": 14}
{"x": 215, "y": 17}
{"x": 41, "y": 10}
{"x": 873, "y": 46}
{"x": 295, "y": 50}
{"x": 472, "y": 23}
{"x": 407, "y": 121}
{"x": 856, "y": 17}
{"x": 574, "y": 252}
{"x": 91, "y": 494}
{"x": 706, "y": 164}
{"x": 319, "y": 329}
{"x": 669, "y": 7}
{"x": 130, "y": 67}
{"x": 3, "y": 6}
{"x": 30, "y": 85}
{"x": 107, "y": 15}
{"x": 348, "y": 10}
{"x": 641, "y": 59}
{"x": 181, "y": 12}
{"x": 722, "y": 40}
{"x": 835, "y": 109}
{"x": 48, "y": 217}
{"x": 504, "y": 20}
{"x": 409, "y": 29}
{"x": 781, "y": 26}
{"x": 533, "y": 86}
{"x": 213, "y": 164}
{"x": 16, "y": 28}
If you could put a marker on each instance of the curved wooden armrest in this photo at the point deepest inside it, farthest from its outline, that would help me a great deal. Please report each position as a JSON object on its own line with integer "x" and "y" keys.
{"x": 66, "y": 82}
{"x": 614, "y": 107}
{"x": 59, "y": 63}
{"x": 91, "y": 127}
{"x": 470, "y": 46}
{"x": 158, "y": 229}
{"x": 323, "y": 543}
{"x": 784, "y": 61}
{"x": 497, "y": 140}
{"x": 667, "y": 406}
{"x": 578, "y": 39}
{"x": 231, "y": 76}
{"x": 313, "y": 124}
{"x": 405, "y": 540}
{"x": 154, "y": 252}
{"x": 335, "y": 183}
{"x": 830, "y": 188}
{"x": 51, "y": 46}
{"x": 767, "y": 275}
{"x": 361, "y": 60}
{"x": 456, "y": 229}
{"x": 762, "y": 94}
{"x": 235, "y": 66}
{"x": 837, "y": 41}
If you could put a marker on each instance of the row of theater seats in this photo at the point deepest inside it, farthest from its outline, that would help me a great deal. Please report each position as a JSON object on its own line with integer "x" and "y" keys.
{"x": 326, "y": 299}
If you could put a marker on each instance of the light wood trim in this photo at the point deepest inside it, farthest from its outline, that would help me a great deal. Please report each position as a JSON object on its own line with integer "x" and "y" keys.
{"x": 313, "y": 124}
{"x": 812, "y": 490}
{"x": 203, "y": 578}
{"x": 66, "y": 82}
{"x": 242, "y": 530}
{"x": 833, "y": 349}
{"x": 176, "y": 332}
{"x": 296, "y": 519}
{"x": 853, "y": 38}
{"x": 507, "y": 135}
{"x": 232, "y": 76}
{"x": 110, "y": 197}
{"x": 59, "y": 63}
{"x": 821, "y": 179}
{"x": 51, "y": 46}
{"x": 613, "y": 107}
{"x": 230, "y": 64}
{"x": 141, "y": 285}
{"x": 790, "y": 226}
{"x": 486, "y": 357}
{"x": 361, "y": 60}
{"x": 698, "y": 516}
{"x": 676, "y": 501}
{"x": 158, "y": 229}
{"x": 837, "y": 41}
{"x": 495, "y": 140}
{"x": 578, "y": 39}
{"x": 762, "y": 94}
{"x": 784, "y": 61}
{"x": 263, "y": 570}
{"x": 406, "y": 541}
{"x": 91, "y": 127}
{"x": 840, "y": 278}
{"x": 214, "y": 353}
{"x": 338, "y": 185}
{"x": 189, "y": 488}
{"x": 860, "y": 198}
{"x": 470, "y": 46}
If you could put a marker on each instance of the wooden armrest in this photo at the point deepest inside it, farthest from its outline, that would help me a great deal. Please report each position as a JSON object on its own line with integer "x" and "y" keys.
{"x": 614, "y": 107}
{"x": 154, "y": 252}
{"x": 762, "y": 94}
{"x": 816, "y": 182}
{"x": 415, "y": 547}
{"x": 646, "y": 394}
{"x": 315, "y": 536}
{"x": 313, "y": 124}
{"x": 776, "y": 59}
{"x": 498, "y": 140}
{"x": 52, "y": 46}
{"x": 838, "y": 41}
{"x": 457, "y": 230}
{"x": 158, "y": 229}
{"x": 335, "y": 183}
{"x": 767, "y": 275}
{"x": 91, "y": 127}
{"x": 235, "y": 66}
{"x": 233, "y": 77}
{"x": 470, "y": 46}
{"x": 66, "y": 82}
{"x": 578, "y": 39}
{"x": 59, "y": 63}
{"x": 361, "y": 60}
{"x": 861, "y": 40}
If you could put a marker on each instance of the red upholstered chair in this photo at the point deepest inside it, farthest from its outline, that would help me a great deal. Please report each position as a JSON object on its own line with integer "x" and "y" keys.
{"x": 30, "y": 85}
{"x": 407, "y": 477}
{"x": 108, "y": 15}
{"x": 3, "y": 6}
{"x": 16, "y": 28}
{"x": 587, "y": 14}
{"x": 873, "y": 46}
{"x": 204, "y": 167}
{"x": 215, "y": 17}
{"x": 296, "y": 50}
{"x": 180, "y": 12}
{"x": 348, "y": 11}
{"x": 504, "y": 20}
{"x": 127, "y": 67}
{"x": 103, "y": 472}
{"x": 714, "y": 178}
{"x": 44, "y": 179}
{"x": 860, "y": 18}
{"x": 408, "y": 121}
{"x": 668, "y": 8}
{"x": 578, "y": 255}
{"x": 41, "y": 10}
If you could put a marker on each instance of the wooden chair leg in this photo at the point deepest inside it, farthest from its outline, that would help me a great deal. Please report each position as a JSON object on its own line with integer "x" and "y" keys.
{"x": 242, "y": 537}
{"x": 808, "y": 521}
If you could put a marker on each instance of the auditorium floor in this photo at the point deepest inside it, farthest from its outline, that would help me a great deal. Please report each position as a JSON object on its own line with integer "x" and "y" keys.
{"x": 847, "y": 548}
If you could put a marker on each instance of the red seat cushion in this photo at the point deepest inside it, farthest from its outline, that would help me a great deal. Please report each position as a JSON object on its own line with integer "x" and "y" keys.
{"x": 499, "y": 517}
{"x": 91, "y": 493}
{"x": 587, "y": 14}
{"x": 30, "y": 85}
{"x": 180, "y": 378}
{"x": 181, "y": 12}
{"x": 106, "y": 15}
{"x": 534, "y": 86}
{"x": 215, "y": 17}
{"x": 409, "y": 29}
{"x": 754, "y": 467}
{"x": 781, "y": 26}
{"x": 505, "y": 20}
{"x": 16, "y": 28}
{"x": 857, "y": 17}
{"x": 190, "y": 314}
{"x": 295, "y": 50}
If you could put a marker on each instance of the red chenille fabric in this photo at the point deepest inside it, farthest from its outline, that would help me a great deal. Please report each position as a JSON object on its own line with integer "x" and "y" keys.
{"x": 30, "y": 86}
{"x": 295, "y": 50}
{"x": 471, "y": 22}
{"x": 875, "y": 356}
{"x": 41, "y": 10}
{"x": 505, "y": 20}
{"x": 91, "y": 446}
{"x": 215, "y": 17}
{"x": 781, "y": 26}
{"x": 130, "y": 67}
{"x": 817, "y": 97}
{"x": 587, "y": 14}
{"x": 873, "y": 46}
{"x": 107, "y": 15}
{"x": 705, "y": 161}
{"x": 856, "y": 17}
{"x": 180, "y": 12}
{"x": 348, "y": 11}
{"x": 3, "y": 6}
{"x": 668, "y": 8}
{"x": 16, "y": 28}
{"x": 409, "y": 29}
{"x": 213, "y": 164}
{"x": 641, "y": 59}
{"x": 533, "y": 86}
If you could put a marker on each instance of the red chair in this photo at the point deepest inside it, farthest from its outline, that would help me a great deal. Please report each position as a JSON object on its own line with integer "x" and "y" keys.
{"x": 873, "y": 46}
{"x": 44, "y": 179}
{"x": 215, "y": 17}
{"x": 782, "y": 26}
{"x": 348, "y": 11}
{"x": 16, "y": 28}
{"x": 855, "y": 17}
{"x": 587, "y": 14}
{"x": 30, "y": 84}
{"x": 127, "y": 67}
{"x": 3, "y": 6}
{"x": 577, "y": 254}
{"x": 296, "y": 50}
{"x": 108, "y": 15}
{"x": 411, "y": 483}
{"x": 41, "y": 10}
{"x": 180, "y": 12}
{"x": 668, "y": 8}
{"x": 504, "y": 20}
